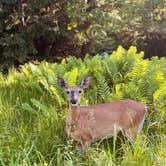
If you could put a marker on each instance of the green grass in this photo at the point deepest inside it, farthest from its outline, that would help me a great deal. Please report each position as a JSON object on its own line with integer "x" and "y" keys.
{"x": 33, "y": 110}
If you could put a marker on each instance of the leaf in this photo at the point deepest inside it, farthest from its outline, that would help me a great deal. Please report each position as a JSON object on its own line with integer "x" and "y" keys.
{"x": 39, "y": 105}
{"x": 26, "y": 107}
{"x": 72, "y": 77}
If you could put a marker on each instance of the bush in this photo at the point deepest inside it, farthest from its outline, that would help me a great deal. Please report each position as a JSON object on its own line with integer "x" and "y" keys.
{"x": 33, "y": 110}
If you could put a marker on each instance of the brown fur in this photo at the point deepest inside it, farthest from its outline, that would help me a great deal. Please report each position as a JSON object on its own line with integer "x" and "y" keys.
{"x": 86, "y": 124}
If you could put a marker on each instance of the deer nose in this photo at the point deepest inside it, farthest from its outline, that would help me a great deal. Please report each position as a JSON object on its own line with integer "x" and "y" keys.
{"x": 73, "y": 101}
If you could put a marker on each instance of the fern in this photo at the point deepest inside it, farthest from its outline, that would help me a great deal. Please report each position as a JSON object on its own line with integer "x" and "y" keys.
{"x": 58, "y": 97}
{"x": 103, "y": 89}
{"x": 160, "y": 92}
{"x": 139, "y": 70}
{"x": 71, "y": 77}
{"x": 118, "y": 91}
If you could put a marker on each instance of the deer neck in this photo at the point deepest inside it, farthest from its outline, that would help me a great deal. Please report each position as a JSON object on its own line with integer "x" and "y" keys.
{"x": 74, "y": 112}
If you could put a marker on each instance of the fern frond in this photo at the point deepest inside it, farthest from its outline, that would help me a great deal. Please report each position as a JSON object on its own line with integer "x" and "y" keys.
{"x": 160, "y": 92}
{"x": 103, "y": 89}
{"x": 57, "y": 96}
{"x": 139, "y": 70}
{"x": 71, "y": 77}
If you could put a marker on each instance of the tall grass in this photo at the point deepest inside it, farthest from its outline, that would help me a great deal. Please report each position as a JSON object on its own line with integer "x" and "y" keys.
{"x": 33, "y": 110}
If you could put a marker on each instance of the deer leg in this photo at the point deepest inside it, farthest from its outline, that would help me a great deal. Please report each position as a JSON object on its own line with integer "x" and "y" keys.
{"x": 74, "y": 142}
{"x": 131, "y": 134}
{"x": 85, "y": 144}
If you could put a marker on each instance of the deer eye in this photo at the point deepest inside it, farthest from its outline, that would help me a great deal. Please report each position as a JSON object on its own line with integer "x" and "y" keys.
{"x": 68, "y": 92}
{"x": 79, "y": 91}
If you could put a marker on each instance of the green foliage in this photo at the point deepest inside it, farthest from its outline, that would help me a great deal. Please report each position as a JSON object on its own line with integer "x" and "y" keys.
{"x": 33, "y": 110}
{"x": 52, "y": 29}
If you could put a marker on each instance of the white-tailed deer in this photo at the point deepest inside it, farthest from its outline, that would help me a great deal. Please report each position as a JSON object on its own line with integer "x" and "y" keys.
{"x": 86, "y": 124}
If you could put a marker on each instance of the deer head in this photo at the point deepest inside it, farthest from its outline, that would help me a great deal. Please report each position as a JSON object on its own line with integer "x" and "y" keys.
{"x": 74, "y": 92}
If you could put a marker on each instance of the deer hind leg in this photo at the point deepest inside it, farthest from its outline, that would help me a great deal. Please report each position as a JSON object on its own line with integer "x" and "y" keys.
{"x": 140, "y": 126}
{"x": 131, "y": 134}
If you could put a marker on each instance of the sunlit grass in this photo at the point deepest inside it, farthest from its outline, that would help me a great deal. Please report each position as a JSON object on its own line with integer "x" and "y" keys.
{"x": 33, "y": 111}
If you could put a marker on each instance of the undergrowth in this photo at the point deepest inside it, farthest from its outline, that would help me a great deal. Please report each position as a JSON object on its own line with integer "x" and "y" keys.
{"x": 33, "y": 110}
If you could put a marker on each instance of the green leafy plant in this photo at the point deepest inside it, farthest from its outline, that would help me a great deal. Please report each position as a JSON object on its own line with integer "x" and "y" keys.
{"x": 53, "y": 29}
{"x": 33, "y": 110}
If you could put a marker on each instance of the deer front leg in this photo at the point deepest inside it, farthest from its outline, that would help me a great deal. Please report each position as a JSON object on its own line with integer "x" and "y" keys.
{"x": 74, "y": 142}
{"x": 85, "y": 144}
{"x": 82, "y": 148}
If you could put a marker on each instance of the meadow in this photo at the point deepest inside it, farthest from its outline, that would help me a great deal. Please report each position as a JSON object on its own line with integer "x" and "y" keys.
{"x": 33, "y": 110}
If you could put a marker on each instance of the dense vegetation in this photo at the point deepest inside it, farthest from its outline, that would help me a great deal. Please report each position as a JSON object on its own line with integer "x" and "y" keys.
{"x": 52, "y": 29}
{"x": 33, "y": 110}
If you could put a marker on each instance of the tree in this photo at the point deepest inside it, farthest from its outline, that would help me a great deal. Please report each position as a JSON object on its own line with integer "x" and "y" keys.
{"x": 53, "y": 29}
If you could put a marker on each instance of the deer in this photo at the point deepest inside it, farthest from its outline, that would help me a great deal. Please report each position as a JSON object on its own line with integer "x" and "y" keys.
{"x": 87, "y": 124}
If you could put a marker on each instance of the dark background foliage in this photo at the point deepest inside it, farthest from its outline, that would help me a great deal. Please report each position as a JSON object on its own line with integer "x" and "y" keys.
{"x": 53, "y": 29}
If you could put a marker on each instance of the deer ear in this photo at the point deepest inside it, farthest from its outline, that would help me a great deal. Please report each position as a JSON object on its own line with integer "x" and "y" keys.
{"x": 85, "y": 82}
{"x": 62, "y": 83}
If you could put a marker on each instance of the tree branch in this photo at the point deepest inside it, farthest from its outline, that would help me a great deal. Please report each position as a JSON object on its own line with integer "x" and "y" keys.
{"x": 21, "y": 12}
